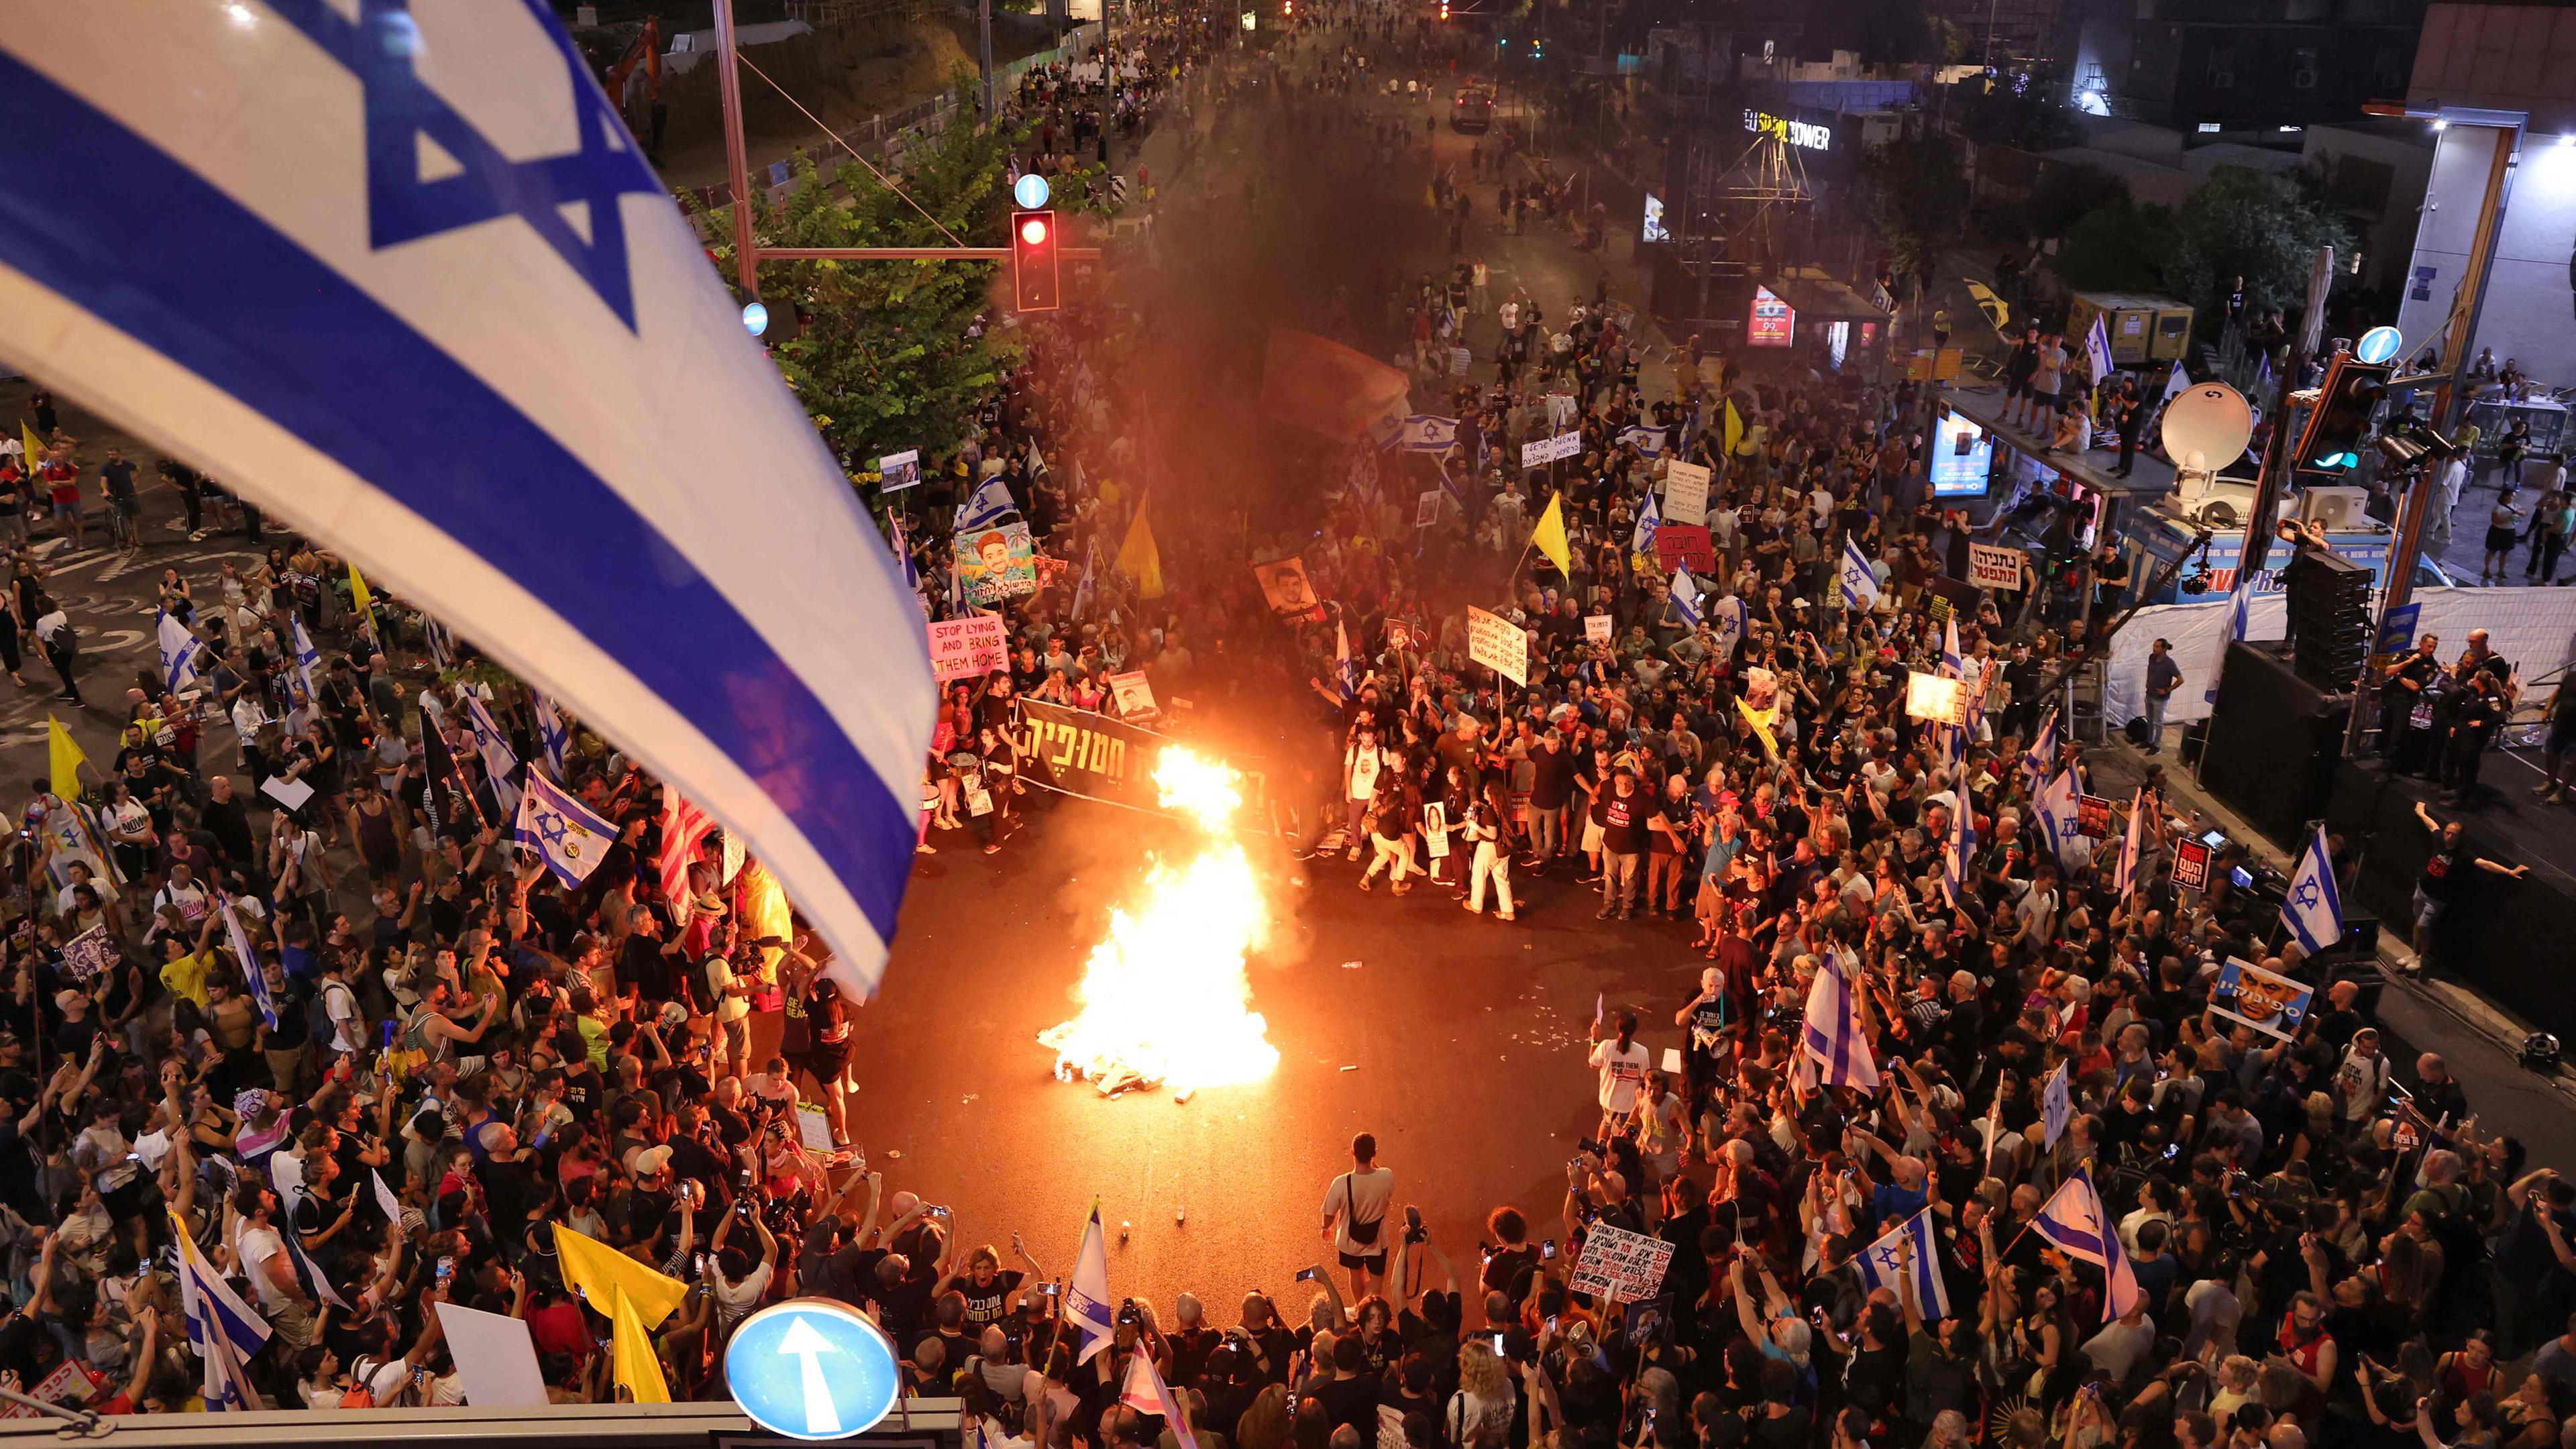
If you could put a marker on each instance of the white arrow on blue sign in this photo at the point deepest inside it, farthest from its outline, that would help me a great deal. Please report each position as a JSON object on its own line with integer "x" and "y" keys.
{"x": 811, "y": 1368}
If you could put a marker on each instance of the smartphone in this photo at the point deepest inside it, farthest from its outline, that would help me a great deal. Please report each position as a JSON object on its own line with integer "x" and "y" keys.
{"x": 1309, "y": 1275}
{"x": 697, "y": 1262}
{"x": 1547, "y": 1249}
{"x": 1498, "y": 1344}
{"x": 1551, "y": 1323}
{"x": 1050, "y": 1290}
{"x": 446, "y": 1269}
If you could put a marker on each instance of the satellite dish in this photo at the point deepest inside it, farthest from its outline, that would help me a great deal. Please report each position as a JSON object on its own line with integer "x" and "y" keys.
{"x": 2207, "y": 427}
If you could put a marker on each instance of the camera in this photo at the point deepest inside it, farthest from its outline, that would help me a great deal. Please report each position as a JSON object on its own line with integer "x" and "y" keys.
{"x": 1414, "y": 1231}
{"x": 1127, "y": 1314}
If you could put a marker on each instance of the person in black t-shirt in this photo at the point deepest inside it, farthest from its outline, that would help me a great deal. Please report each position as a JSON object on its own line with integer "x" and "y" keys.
{"x": 2444, "y": 876}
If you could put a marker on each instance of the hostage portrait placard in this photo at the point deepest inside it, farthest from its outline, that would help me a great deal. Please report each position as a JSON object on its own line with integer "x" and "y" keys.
{"x": 996, "y": 563}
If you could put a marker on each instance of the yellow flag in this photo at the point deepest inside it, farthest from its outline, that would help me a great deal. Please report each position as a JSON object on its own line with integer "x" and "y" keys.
{"x": 1138, "y": 559}
{"x": 1761, "y": 719}
{"x": 34, "y": 445}
{"x": 600, "y": 1273}
{"x": 66, "y": 758}
{"x": 631, "y": 1355}
{"x": 1549, "y": 536}
{"x": 1734, "y": 428}
{"x": 359, "y": 598}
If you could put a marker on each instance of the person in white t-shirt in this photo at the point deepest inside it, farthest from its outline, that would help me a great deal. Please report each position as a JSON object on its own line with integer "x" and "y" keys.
{"x": 1622, "y": 1064}
{"x": 738, "y": 1283}
{"x": 1355, "y": 1212}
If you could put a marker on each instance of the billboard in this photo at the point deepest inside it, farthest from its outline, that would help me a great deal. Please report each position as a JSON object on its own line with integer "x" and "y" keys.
{"x": 1963, "y": 457}
{"x": 1772, "y": 322}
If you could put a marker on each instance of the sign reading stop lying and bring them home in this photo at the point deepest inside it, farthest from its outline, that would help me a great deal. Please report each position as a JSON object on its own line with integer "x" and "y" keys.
{"x": 811, "y": 1368}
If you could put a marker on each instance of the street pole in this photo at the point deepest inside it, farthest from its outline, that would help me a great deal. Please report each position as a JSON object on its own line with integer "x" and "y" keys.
{"x": 2277, "y": 462}
{"x": 746, "y": 256}
{"x": 1108, "y": 93}
{"x": 984, "y": 37}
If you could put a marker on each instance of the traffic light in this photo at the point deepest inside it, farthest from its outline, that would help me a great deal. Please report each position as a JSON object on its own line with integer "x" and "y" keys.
{"x": 2332, "y": 440}
{"x": 1033, "y": 261}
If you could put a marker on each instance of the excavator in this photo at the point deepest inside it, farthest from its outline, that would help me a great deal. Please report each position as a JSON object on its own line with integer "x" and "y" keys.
{"x": 620, "y": 82}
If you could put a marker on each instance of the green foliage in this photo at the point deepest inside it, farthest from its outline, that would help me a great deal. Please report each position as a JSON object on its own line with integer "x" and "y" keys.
{"x": 1917, "y": 195}
{"x": 890, "y": 355}
{"x": 2027, "y": 110}
{"x": 2067, "y": 194}
{"x": 2118, "y": 246}
{"x": 2262, "y": 225}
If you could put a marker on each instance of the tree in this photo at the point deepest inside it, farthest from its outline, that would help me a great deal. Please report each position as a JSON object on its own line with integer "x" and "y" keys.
{"x": 1917, "y": 196}
{"x": 2118, "y": 246}
{"x": 2027, "y": 109}
{"x": 2261, "y": 225}
{"x": 890, "y": 355}
{"x": 2067, "y": 193}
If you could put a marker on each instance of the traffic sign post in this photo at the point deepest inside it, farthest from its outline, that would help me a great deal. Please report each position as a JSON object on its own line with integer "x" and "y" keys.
{"x": 812, "y": 1368}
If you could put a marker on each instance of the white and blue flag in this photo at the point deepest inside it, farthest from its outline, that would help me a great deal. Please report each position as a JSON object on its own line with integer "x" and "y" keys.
{"x": 1645, "y": 438}
{"x": 2056, "y": 1108}
{"x": 902, "y": 547}
{"x": 2097, "y": 348}
{"x": 1831, "y": 1036}
{"x": 2313, "y": 908}
{"x": 247, "y": 962}
{"x": 1882, "y": 1265}
{"x": 2041, "y": 757}
{"x": 564, "y": 833}
{"x": 990, "y": 503}
{"x": 1082, "y": 590}
{"x": 1686, "y": 597}
{"x": 1725, "y": 625}
{"x": 1641, "y": 540}
{"x": 2059, "y": 826}
{"x": 2240, "y": 603}
{"x": 2133, "y": 846}
{"x": 1958, "y": 852}
{"x": 1086, "y": 1297}
{"x": 554, "y": 732}
{"x": 308, "y": 660}
{"x": 2075, "y": 1222}
{"x": 1859, "y": 581}
{"x": 222, "y": 1329}
{"x": 1423, "y": 433}
{"x": 1346, "y": 680}
{"x": 182, "y": 654}
{"x": 401, "y": 275}
{"x": 500, "y": 762}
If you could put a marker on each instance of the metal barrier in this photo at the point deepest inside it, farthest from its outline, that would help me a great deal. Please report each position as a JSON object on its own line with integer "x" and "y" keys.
{"x": 915, "y": 1424}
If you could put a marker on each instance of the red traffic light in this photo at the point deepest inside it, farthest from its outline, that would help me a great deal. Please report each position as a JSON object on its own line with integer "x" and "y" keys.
{"x": 1033, "y": 261}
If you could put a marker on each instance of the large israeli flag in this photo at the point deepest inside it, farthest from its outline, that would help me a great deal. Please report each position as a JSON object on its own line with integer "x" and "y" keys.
{"x": 397, "y": 272}
{"x": 2313, "y": 908}
{"x": 1423, "y": 433}
{"x": 564, "y": 833}
{"x": 1882, "y": 1265}
{"x": 182, "y": 654}
{"x": 990, "y": 503}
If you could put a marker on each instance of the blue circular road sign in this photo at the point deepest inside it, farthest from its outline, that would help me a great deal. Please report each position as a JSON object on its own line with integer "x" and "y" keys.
{"x": 1030, "y": 191}
{"x": 811, "y": 1368}
{"x": 2379, "y": 344}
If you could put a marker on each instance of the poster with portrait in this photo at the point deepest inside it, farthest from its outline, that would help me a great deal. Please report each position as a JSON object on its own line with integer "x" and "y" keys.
{"x": 996, "y": 563}
{"x": 2267, "y": 1001}
{"x": 1285, "y": 585}
{"x": 898, "y": 471}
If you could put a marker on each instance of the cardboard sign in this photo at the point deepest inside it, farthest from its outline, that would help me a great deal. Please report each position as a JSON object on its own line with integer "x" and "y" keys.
{"x": 2093, "y": 818}
{"x": 69, "y": 1384}
{"x": 496, "y": 1360}
{"x": 1621, "y": 1264}
{"x": 1597, "y": 628}
{"x": 899, "y": 470}
{"x": 1995, "y": 568}
{"x": 1435, "y": 829}
{"x": 812, "y": 1128}
{"x": 1686, "y": 494}
{"x": 1498, "y": 644}
{"x": 1133, "y": 694}
{"x": 89, "y": 953}
{"x": 968, "y": 648}
{"x": 1398, "y": 636}
{"x": 1544, "y": 451}
{"x": 1285, "y": 585}
{"x": 1937, "y": 698}
{"x": 2191, "y": 865}
{"x": 1426, "y": 509}
{"x": 1685, "y": 544}
{"x": 2267, "y": 1001}
{"x": 996, "y": 563}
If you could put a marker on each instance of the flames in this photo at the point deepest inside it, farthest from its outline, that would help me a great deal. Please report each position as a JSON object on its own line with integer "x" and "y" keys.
{"x": 1165, "y": 997}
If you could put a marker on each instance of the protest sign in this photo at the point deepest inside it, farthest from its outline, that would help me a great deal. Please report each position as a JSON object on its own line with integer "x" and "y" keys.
{"x": 1685, "y": 544}
{"x": 1937, "y": 698}
{"x": 996, "y": 563}
{"x": 290, "y": 793}
{"x": 1990, "y": 567}
{"x": 898, "y": 471}
{"x": 1686, "y": 494}
{"x": 813, "y": 1128}
{"x": 2191, "y": 865}
{"x": 2093, "y": 818}
{"x": 1097, "y": 756}
{"x": 89, "y": 953}
{"x": 70, "y": 1384}
{"x": 1285, "y": 585}
{"x": 1435, "y": 829}
{"x": 1426, "y": 509}
{"x": 496, "y": 1359}
{"x": 1597, "y": 628}
{"x": 2267, "y": 1001}
{"x": 1133, "y": 694}
{"x": 1622, "y": 1264}
{"x": 1543, "y": 451}
{"x": 1498, "y": 644}
{"x": 969, "y": 648}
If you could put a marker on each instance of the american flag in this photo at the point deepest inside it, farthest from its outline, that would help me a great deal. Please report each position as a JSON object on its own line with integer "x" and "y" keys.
{"x": 685, "y": 829}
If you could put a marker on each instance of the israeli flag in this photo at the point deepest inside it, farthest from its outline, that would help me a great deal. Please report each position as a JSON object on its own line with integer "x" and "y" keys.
{"x": 903, "y": 558}
{"x": 2240, "y": 606}
{"x": 1726, "y": 624}
{"x": 2175, "y": 383}
{"x": 222, "y": 1329}
{"x": 2058, "y": 825}
{"x": 2313, "y": 909}
{"x": 1641, "y": 540}
{"x": 2097, "y": 349}
{"x": 2263, "y": 371}
{"x": 182, "y": 654}
{"x": 1882, "y": 1265}
{"x": 1082, "y": 590}
{"x": 2056, "y": 1108}
{"x": 1345, "y": 678}
{"x": 1952, "y": 666}
{"x": 499, "y": 760}
{"x": 246, "y": 961}
{"x": 1686, "y": 597}
{"x": 1423, "y": 433}
{"x": 1960, "y": 847}
{"x": 1644, "y": 438}
{"x": 554, "y": 732}
{"x": 308, "y": 660}
{"x": 2075, "y": 1222}
{"x": 990, "y": 503}
{"x": 406, "y": 281}
{"x": 1831, "y": 1036}
{"x": 2041, "y": 757}
{"x": 1859, "y": 580}
{"x": 564, "y": 833}
{"x": 1086, "y": 1298}
{"x": 2133, "y": 845}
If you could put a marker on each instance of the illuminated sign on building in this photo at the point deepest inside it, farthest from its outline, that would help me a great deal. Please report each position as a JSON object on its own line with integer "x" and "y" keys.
{"x": 1772, "y": 322}
{"x": 1801, "y": 134}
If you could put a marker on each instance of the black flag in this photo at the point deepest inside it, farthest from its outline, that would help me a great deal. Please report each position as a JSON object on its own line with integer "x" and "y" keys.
{"x": 439, "y": 784}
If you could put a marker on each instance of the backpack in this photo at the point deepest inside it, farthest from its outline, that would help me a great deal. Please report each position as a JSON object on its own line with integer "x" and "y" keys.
{"x": 317, "y": 1015}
